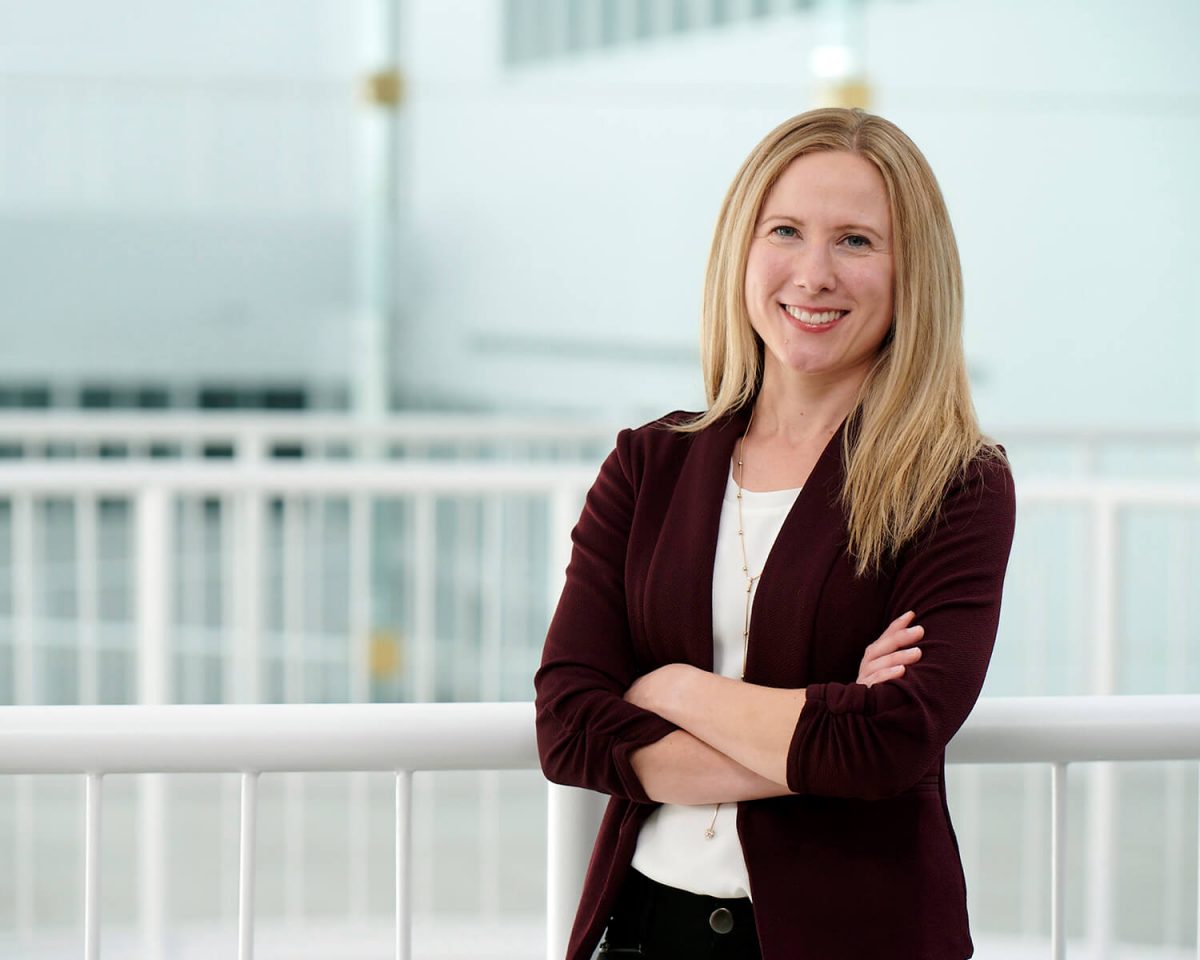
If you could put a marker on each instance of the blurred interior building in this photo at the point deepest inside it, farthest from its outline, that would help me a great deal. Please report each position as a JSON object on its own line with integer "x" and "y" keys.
{"x": 437, "y": 252}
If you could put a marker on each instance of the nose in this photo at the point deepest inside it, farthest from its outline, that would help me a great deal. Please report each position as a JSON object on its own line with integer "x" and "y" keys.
{"x": 813, "y": 269}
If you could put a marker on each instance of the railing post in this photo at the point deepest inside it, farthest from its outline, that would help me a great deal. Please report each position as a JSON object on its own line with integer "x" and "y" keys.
{"x": 573, "y": 817}
{"x": 247, "y": 865}
{"x": 91, "y": 866}
{"x": 1102, "y": 799}
{"x": 244, "y": 555}
{"x": 404, "y": 851}
{"x": 1058, "y": 862}
{"x": 25, "y": 691}
{"x": 153, "y": 625}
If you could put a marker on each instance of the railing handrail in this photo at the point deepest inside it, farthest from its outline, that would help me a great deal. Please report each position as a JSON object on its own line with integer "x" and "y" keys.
{"x": 173, "y": 425}
{"x": 493, "y": 736}
{"x": 301, "y": 737}
{"x": 284, "y": 426}
{"x": 251, "y": 739}
{"x": 448, "y": 477}
{"x": 299, "y": 476}
{"x": 466, "y": 478}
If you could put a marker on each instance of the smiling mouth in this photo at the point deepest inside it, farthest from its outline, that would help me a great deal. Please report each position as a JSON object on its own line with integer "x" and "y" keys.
{"x": 822, "y": 319}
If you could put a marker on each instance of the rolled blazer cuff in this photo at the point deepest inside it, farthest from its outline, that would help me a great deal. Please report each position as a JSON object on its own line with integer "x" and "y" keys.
{"x": 852, "y": 740}
{"x": 589, "y": 756}
{"x": 623, "y": 752}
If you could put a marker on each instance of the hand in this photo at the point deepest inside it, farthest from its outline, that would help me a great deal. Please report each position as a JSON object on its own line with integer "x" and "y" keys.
{"x": 887, "y": 657}
{"x": 656, "y": 690}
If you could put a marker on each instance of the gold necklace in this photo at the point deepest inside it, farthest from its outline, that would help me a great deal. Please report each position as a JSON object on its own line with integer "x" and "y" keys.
{"x": 740, "y": 475}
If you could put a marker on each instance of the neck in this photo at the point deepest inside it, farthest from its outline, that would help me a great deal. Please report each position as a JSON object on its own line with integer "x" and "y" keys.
{"x": 801, "y": 410}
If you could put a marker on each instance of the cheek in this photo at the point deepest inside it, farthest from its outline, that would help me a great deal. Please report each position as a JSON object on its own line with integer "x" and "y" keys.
{"x": 875, "y": 286}
{"x": 763, "y": 272}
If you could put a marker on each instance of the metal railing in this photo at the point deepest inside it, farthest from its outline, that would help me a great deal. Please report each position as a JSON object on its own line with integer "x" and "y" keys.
{"x": 248, "y": 492}
{"x": 403, "y": 738}
{"x": 253, "y": 436}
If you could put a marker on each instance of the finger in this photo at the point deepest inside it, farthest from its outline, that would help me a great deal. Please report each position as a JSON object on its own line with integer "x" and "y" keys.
{"x": 907, "y": 656}
{"x": 894, "y": 640}
{"x": 883, "y": 676}
{"x": 901, "y": 657}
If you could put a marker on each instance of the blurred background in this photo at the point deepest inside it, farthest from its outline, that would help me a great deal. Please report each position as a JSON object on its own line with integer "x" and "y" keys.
{"x": 468, "y": 236}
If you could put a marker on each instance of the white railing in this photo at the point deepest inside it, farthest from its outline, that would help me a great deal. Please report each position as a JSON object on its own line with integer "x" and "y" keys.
{"x": 403, "y": 738}
{"x": 245, "y": 489}
{"x": 253, "y": 435}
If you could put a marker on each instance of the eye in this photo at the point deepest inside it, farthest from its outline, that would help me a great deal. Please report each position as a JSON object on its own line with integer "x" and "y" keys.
{"x": 857, "y": 241}
{"x": 786, "y": 236}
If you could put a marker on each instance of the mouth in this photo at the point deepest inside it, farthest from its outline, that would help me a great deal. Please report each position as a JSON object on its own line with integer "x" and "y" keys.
{"x": 813, "y": 320}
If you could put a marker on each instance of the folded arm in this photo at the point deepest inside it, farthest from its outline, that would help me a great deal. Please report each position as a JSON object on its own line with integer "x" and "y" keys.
{"x": 877, "y": 736}
{"x": 750, "y": 727}
{"x": 681, "y": 768}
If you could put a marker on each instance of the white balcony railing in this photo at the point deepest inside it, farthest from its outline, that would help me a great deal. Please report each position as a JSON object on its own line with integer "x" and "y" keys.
{"x": 403, "y": 738}
{"x": 1074, "y": 630}
{"x": 254, "y": 435}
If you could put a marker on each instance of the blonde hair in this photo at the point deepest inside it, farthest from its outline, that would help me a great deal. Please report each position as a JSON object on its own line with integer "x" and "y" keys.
{"x": 912, "y": 430}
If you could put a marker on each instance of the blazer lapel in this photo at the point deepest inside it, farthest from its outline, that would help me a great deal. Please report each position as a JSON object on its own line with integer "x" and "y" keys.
{"x": 812, "y": 537}
{"x": 679, "y": 582}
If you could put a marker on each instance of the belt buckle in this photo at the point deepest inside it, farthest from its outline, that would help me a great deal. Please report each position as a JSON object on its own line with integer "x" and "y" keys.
{"x": 607, "y": 951}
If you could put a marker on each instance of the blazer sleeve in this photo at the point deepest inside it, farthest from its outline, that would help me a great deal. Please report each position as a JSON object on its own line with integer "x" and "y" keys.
{"x": 873, "y": 742}
{"x": 586, "y": 732}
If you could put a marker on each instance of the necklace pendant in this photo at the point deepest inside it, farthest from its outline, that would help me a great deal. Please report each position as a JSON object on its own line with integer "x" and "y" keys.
{"x": 709, "y": 833}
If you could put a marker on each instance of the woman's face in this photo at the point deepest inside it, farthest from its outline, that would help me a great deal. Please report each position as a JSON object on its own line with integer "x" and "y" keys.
{"x": 819, "y": 275}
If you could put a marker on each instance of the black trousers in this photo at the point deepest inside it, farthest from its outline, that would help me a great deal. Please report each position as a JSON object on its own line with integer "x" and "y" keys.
{"x": 658, "y": 922}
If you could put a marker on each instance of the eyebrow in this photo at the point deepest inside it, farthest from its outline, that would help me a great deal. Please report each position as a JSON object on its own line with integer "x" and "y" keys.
{"x": 860, "y": 227}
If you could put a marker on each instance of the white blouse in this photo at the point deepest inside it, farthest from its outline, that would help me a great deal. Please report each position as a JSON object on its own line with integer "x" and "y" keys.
{"x": 672, "y": 847}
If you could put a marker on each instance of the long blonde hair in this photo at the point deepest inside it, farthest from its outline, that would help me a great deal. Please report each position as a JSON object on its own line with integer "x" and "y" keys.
{"x": 912, "y": 429}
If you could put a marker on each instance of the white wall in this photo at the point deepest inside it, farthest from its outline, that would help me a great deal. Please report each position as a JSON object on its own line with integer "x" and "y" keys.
{"x": 564, "y": 212}
{"x": 179, "y": 196}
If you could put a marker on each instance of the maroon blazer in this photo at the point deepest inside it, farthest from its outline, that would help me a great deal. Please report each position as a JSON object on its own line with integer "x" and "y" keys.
{"x": 861, "y": 862}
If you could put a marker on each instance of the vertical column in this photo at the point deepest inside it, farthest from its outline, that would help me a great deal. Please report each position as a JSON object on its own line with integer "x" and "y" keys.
{"x": 1058, "y": 862}
{"x": 91, "y": 867}
{"x": 404, "y": 815}
{"x": 87, "y": 563}
{"x": 190, "y": 551}
{"x": 1179, "y": 587}
{"x": 294, "y": 671}
{"x": 24, "y": 560}
{"x": 24, "y": 692}
{"x": 383, "y": 158}
{"x": 422, "y": 673}
{"x": 492, "y": 562}
{"x": 153, "y": 673}
{"x": 360, "y": 627}
{"x": 243, "y": 587}
{"x": 246, "y": 866}
{"x": 1102, "y": 799}
{"x": 242, "y": 602}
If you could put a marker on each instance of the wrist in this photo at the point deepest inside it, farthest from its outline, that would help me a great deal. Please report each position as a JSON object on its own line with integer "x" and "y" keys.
{"x": 679, "y": 692}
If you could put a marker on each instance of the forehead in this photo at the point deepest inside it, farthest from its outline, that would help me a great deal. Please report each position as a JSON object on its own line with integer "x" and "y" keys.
{"x": 830, "y": 186}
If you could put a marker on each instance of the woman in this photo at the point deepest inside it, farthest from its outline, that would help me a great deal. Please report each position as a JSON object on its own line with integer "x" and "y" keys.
{"x": 778, "y": 612}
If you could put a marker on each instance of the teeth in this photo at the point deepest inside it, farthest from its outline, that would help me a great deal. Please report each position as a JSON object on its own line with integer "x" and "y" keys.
{"x": 813, "y": 319}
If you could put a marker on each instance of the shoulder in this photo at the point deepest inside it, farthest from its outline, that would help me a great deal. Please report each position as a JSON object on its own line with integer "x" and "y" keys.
{"x": 656, "y": 443}
{"x": 988, "y": 476}
{"x": 981, "y": 500}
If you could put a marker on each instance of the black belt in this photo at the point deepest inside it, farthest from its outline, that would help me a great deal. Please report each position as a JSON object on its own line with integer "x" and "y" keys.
{"x": 659, "y": 922}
